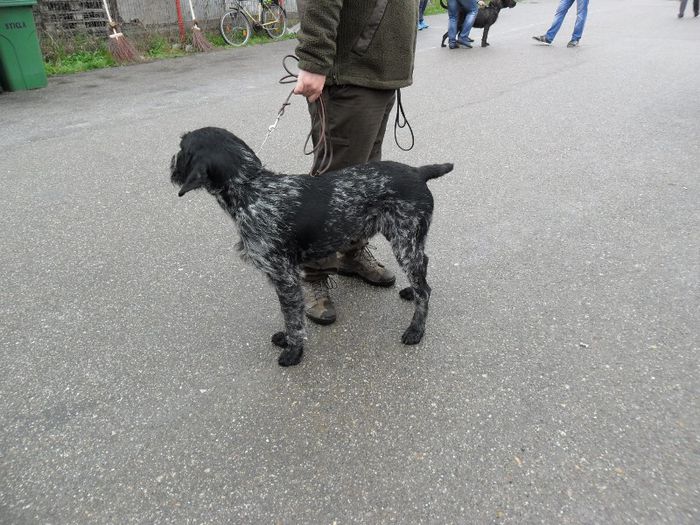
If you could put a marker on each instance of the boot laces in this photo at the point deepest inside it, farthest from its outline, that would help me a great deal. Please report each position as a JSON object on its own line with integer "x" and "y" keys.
{"x": 320, "y": 287}
{"x": 367, "y": 257}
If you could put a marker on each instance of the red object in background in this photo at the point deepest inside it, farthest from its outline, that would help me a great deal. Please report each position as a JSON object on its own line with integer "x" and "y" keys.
{"x": 180, "y": 21}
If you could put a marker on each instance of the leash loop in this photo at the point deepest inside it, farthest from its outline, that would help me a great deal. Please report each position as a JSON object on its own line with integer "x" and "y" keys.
{"x": 402, "y": 122}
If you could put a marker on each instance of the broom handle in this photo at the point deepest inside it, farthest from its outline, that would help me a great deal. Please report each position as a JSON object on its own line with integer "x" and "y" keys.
{"x": 109, "y": 17}
{"x": 192, "y": 10}
{"x": 180, "y": 21}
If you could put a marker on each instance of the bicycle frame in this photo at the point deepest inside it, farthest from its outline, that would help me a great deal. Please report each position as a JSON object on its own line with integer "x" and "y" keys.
{"x": 238, "y": 5}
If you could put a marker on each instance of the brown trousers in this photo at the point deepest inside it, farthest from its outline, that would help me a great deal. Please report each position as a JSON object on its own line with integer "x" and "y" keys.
{"x": 356, "y": 120}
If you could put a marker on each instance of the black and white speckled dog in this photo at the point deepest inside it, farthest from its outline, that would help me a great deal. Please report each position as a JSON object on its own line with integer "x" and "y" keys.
{"x": 286, "y": 220}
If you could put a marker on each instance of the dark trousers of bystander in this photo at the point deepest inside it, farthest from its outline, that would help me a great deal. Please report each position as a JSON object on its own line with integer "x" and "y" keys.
{"x": 684, "y": 3}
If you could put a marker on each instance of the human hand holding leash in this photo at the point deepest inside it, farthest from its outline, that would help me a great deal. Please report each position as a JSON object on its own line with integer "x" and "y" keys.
{"x": 310, "y": 85}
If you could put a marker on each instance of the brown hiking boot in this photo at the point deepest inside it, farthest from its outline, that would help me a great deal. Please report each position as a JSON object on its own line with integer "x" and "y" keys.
{"x": 362, "y": 264}
{"x": 318, "y": 305}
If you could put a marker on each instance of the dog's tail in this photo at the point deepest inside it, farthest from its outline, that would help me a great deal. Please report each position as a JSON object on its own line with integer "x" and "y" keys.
{"x": 433, "y": 171}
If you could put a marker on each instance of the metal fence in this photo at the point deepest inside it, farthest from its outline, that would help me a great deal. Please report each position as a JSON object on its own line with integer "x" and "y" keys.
{"x": 74, "y": 22}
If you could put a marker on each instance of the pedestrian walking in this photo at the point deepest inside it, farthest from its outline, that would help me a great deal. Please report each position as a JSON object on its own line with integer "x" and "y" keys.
{"x": 470, "y": 8}
{"x": 422, "y": 4}
{"x": 696, "y": 7}
{"x": 353, "y": 56}
{"x": 562, "y": 9}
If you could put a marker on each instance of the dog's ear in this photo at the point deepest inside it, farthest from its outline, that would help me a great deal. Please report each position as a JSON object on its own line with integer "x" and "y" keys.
{"x": 194, "y": 180}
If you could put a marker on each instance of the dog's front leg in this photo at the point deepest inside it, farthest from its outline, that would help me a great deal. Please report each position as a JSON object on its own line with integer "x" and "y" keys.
{"x": 288, "y": 288}
{"x": 484, "y": 36}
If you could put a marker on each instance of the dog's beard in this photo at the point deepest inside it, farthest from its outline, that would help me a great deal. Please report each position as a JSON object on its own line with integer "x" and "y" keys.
{"x": 176, "y": 176}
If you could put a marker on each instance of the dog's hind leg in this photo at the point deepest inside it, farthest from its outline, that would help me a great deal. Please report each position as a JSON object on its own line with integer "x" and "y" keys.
{"x": 407, "y": 293}
{"x": 414, "y": 263}
{"x": 288, "y": 288}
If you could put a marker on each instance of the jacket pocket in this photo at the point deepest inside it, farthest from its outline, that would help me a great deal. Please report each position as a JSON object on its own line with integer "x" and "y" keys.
{"x": 367, "y": 35}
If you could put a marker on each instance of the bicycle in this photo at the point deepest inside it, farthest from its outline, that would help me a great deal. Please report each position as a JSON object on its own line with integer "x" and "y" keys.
{"x": 238, "y": 22}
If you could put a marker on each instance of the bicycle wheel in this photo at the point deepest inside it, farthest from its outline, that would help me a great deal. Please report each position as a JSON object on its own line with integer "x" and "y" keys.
{"x": 235, "y": 28}
{"x": 274, "y": 21}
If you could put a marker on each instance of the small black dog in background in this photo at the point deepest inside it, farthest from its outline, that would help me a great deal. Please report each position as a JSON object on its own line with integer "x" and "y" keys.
{"x": 485, "y": 18}
{"x": 285, "y": 220}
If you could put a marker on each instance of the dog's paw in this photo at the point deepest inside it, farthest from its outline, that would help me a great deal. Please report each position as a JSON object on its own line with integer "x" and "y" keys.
{"x": 412, "y": 336}
{"x": 290, "y": 356}
{"x": 279, "y": 339}
{"x": 407, "y": 294}
{"x": 485, "y": 44}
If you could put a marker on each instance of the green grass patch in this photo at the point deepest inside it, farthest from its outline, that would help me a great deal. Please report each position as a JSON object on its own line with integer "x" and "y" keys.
{"x": 434, "y": 8}
{"x": 79, "y": 61}
{"x": 85, "y": 52}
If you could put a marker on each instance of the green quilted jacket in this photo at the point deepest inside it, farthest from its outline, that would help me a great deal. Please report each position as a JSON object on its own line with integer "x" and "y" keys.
{"x": 369, "y": 43}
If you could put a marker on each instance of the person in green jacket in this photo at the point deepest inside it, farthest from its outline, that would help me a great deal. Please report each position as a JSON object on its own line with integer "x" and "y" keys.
{"x": 354, "y": 55}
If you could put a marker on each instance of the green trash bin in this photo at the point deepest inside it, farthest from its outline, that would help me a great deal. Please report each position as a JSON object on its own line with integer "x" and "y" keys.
{"x": 21, "y": 63}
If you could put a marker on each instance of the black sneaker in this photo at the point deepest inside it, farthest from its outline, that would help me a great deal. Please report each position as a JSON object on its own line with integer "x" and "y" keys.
{"x": 453, "y": 45}
{"x": 573, "y": 43}
{"x": 462, "y": 43}
{"x": 542, "y": 38}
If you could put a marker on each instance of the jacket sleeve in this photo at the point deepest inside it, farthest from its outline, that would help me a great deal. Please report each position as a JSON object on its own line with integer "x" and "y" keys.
{"x": 317, "y": 36}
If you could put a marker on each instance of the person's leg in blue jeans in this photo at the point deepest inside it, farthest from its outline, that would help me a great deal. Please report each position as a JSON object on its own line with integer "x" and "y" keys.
{"x": 564, "y": 6}
{"x": 581, "y": 14}
{"x": 453, "y": 7}
{"x": 421, "y": 11}
{"x": 452, "y": 12}
{"x": 472, "y": 10}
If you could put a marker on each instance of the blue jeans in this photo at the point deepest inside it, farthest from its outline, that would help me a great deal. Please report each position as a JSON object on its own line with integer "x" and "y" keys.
{"x": 581, "y": 13}
{"x": 421, "y": 9}
{"x": 471, "y": 7}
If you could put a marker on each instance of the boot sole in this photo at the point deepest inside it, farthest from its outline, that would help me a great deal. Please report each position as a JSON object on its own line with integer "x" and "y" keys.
{"x": 385, "y": 284}
{"x": 322, "y": 322}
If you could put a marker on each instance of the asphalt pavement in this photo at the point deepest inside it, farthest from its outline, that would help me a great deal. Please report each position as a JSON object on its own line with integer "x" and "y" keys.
{"x": 558, "y": 378}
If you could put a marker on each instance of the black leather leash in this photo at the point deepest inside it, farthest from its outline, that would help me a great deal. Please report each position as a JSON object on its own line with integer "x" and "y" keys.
{"x": 400, "y": 125}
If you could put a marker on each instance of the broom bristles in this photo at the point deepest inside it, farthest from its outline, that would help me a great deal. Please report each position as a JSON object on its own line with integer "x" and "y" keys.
{"x": 121, "y": 48}
{"x": 199, "y": 41}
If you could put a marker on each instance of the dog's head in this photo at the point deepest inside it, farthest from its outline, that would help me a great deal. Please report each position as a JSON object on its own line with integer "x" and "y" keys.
{"x": 212, "y": 158}
{"x": 502, "y": 4}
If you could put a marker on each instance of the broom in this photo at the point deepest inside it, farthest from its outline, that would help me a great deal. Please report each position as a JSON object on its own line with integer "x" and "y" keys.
{"x": 119, "y": 47}
{"x": 199, "y": 41}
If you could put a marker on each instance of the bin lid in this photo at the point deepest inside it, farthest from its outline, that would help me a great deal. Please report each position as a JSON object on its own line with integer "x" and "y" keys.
{"x": 13, "y": 3}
